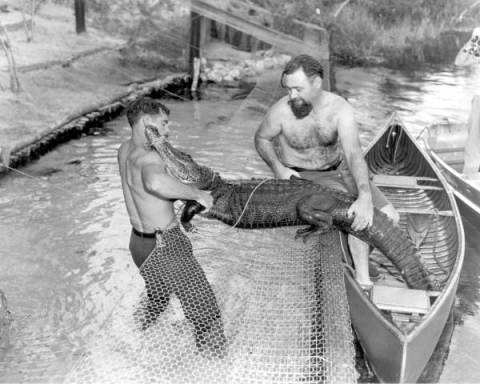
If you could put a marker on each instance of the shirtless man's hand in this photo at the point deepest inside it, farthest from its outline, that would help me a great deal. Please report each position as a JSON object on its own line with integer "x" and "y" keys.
{"x": 205, "y": 198}
{"x": 285, "y": 173}
{"x": 362, "y": 212}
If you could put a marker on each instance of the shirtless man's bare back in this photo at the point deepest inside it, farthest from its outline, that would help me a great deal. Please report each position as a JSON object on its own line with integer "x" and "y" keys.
{"x": 314, "y": 130}
{"x": 162, "y": 252}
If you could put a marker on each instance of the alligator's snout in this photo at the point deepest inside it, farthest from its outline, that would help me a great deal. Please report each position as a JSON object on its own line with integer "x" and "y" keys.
{"x": 154, "y": 137}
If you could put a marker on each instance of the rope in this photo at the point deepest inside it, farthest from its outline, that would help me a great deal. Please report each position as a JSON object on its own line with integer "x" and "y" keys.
{"x": 34, "y": 178}
{"x": 248, "y": 201}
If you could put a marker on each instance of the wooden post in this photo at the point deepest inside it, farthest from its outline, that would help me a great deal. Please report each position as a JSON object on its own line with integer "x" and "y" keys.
{"x": 199, "y": 35}
{"x": 80, "y": 16}
{"x": 12, "y": 66}
{"x": 194, "y": 46}
{"x": 195, "y": 74}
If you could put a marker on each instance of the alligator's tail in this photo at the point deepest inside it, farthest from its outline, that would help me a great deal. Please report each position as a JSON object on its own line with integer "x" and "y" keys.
{"x": 389, "y": 239}
{"x": 383, "y": 234}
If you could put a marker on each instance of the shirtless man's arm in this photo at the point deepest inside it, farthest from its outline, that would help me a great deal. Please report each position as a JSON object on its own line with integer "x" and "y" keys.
{"x": 164, "y": 186}
{"x": 270, "y": 128}
{"x": 362, "y": 208}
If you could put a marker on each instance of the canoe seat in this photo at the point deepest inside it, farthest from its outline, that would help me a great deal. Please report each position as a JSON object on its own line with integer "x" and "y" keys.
{"x": 400, "y": 299}
{"x": 418, "y": 211}
{"x": 447, "y": 150}
{"x": 410, "y": 182}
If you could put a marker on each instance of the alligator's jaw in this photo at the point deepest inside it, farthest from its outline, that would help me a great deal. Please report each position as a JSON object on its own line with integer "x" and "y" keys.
{"x": 179, "y": 164}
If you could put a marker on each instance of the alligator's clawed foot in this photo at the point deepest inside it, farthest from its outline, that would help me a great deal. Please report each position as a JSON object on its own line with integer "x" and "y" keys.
{"x": 189, "y": 227}
{"x": 306, "y": 233}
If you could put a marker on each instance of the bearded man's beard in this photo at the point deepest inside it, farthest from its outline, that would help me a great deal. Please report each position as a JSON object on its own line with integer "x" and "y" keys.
{"x": 300, "y": 108}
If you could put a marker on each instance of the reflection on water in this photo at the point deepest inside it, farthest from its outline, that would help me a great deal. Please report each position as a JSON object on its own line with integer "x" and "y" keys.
{"x": 419, "y": 98}
{"x": 64, "y": 261}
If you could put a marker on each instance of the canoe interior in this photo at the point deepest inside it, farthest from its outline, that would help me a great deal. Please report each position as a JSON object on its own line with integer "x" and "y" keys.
{"x": 394, "y": 153}
{"x": 399, "y": 340}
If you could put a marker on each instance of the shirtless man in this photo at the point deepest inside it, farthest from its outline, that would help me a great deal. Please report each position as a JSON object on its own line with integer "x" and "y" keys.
{"x": 159, "y": 248}
{"x": 311, "y": 133}
{"x": 472, "y": 147}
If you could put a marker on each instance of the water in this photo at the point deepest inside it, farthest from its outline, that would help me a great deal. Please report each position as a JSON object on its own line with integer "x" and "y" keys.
{"x": 64, "y": 262}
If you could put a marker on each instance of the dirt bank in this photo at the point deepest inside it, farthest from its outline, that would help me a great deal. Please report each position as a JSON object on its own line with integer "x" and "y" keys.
{"x": 62, "y": 77}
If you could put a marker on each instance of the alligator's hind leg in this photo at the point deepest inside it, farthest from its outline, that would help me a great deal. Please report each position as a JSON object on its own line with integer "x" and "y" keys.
{"x": 313, "y": 215}
{"x": 319, "y": 220}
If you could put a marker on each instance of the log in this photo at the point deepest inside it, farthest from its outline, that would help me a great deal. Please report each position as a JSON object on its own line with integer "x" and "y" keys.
{"x": 77, "y": 122}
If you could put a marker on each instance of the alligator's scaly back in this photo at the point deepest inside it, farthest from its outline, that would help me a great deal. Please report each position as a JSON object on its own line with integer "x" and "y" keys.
{"x": 258, "y": 203}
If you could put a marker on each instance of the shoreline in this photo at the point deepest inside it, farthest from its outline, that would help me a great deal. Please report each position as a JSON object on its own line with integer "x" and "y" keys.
{"x": 68, "y": 82}
{"x": 73, "y": 126}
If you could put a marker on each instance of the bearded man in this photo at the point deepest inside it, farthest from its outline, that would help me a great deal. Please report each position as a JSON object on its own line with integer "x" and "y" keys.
{"x": 312, "y": 134}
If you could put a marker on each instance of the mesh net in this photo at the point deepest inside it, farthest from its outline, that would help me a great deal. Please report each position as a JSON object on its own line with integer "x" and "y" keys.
{"x": 284, "y": 317}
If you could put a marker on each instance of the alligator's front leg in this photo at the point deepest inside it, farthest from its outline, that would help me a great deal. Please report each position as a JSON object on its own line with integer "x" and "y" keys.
{"x": 317, "y": 215}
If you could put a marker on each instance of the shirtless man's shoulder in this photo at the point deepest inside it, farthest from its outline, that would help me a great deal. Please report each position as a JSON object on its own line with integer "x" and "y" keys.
{"x": 138, "y": 156}
{"x": 123, "y": 149}
{"x": 279, "y": 111}
{"x": 337, "y": 103}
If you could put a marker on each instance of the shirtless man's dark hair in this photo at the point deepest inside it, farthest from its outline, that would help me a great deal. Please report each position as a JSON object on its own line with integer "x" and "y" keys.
{"x": 310, "y": 66}
{"x": 145, "y": 105}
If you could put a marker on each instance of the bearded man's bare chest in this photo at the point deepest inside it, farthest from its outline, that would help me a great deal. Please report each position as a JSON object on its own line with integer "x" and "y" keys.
{"x": 310, "y": 134}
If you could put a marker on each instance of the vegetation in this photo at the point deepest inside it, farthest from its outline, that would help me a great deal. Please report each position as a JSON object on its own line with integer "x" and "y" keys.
{"x": 396, "y": 33}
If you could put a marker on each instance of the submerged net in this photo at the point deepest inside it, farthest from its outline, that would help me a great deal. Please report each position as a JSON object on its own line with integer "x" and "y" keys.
{"x": 284, "y": 316}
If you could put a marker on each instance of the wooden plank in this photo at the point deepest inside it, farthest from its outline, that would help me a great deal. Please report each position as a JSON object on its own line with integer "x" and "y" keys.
{"x": 278, "y": 39}
{"x": 399, "y": 299}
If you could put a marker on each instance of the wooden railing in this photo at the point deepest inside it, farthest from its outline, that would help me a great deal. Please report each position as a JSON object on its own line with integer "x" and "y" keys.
{"x": 315, "y": 41}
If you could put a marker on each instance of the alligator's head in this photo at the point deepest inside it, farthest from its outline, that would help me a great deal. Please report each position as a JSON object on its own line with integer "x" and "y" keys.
{"x": 179, "y": 164}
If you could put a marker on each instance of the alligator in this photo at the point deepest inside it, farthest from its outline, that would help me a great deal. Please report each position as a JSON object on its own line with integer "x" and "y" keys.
{"x": 268, "y": 203}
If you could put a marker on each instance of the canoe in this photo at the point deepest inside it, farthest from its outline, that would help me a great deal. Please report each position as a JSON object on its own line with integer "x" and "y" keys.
{"x": 445, "y": 143}
{"x": 398, "y": 328}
